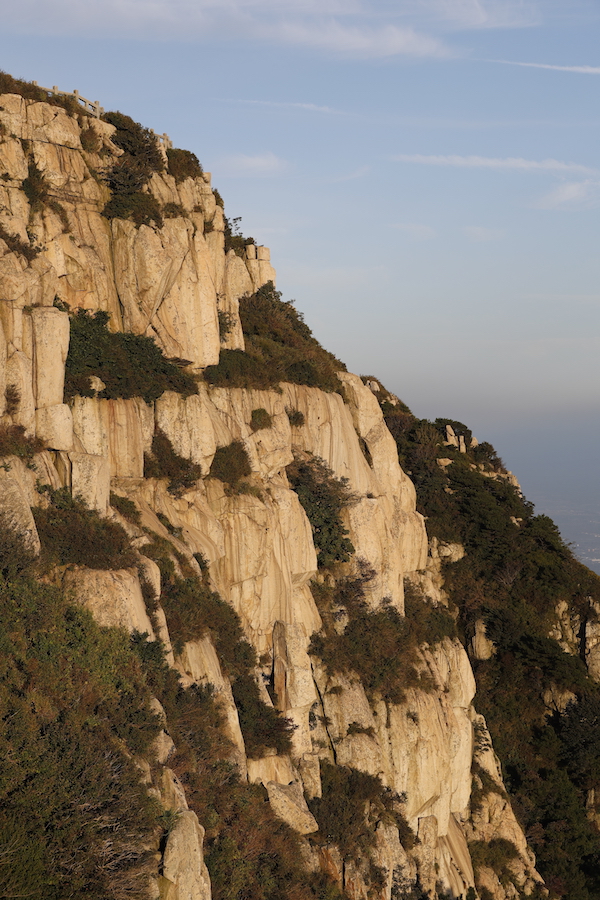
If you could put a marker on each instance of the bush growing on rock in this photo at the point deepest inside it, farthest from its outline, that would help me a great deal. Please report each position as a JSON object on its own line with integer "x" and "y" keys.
{"x": 263, "y": 728}
{"x": 164, "y": 462}
{"x": 14, "y": 442}
{"x": 259, "y": 419}
{"x": 72, "y": 533}
{"x": 323, "y": 497}
{"x": 183, "y": 164}
{"x": 130, "y": 365}
{"x": 230, "y": 464}
{"x": 75, "y": 821}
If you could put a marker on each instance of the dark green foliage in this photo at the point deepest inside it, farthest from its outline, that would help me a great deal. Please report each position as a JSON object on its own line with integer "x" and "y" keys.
{"x": 35, "y": 187}
{"x": 579, "y": 732}
{"x": 164, "y": 462}
{"x": 173, "y": 210}
{"x": 495, "y": 854}
{"x": 239, "y": 369}
{"x": 126, "y": 508}
{"x": 132, "y": 172}
{"x": 296, "y": 417}
{"x": 16, "y": 245}
{"x": 234, "y": 239}
{"x": 90, "y": 141}
{"x": 277, "y": 336}
{"x": 29, "y": 91}
{"x": 230, "y": 464}
{"x": 218, "y": 199}
{"x": 74, "y": 818}
{"x": 351, "y": 805}
{"x": 380, "y": 646}
{"x": 262, "y": 727}
{"x": 193, "y": 609}
{"x": 130, "y": 365}
{"x": 513, "y": 576}
{"x": 183, "y": 164}
{"x": 323, "y": 497}
{"x": 225, "y": 324}
{"x": 14, "y": 442}
{"x": 259, "y": 419}
{"x": 72, "y": 533}
{"x": 140, "y": 207}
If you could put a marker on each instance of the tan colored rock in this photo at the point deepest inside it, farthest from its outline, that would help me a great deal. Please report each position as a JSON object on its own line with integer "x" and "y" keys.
{"x": 113, "y": 597}
{"x": 90, "y": 480}
{"x": 288, "y": 803}
{"x": 199, "y": 663}
{"x": 19, "y": 372}
{"x": 187, "y": 422}
{"x": 54, "y": 425}
{"x": 184, "y": 873}
{"x": 271, "y": 768}
{"x": 15, "y": 512}
{"x": 237, "y": 284}
{"x": 130, "y": 428}
{"x": 90, "y": 425}
{"x": 481, "y": 646}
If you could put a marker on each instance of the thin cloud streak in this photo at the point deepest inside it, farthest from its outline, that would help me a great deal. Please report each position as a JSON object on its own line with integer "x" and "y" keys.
{"x": 581, "y": 70}
{"x": 486, "y": 162}
{"x": 309, "y": 107}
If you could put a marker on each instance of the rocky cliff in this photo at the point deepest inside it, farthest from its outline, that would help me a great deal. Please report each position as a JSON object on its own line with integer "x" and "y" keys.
{"x": 277, "y": 496}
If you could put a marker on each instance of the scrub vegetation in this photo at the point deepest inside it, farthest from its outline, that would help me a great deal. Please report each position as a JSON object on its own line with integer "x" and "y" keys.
{"x": 279, "y": 347}
{"x": 515, "y": 572}
{"x": 130, "y": 365}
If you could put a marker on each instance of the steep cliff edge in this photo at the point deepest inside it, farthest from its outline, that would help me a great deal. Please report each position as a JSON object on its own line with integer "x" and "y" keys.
{"x": 268, "y": 620}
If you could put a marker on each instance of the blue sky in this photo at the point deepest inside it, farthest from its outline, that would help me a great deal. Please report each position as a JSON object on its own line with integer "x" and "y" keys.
{"x": 426, "y": 173}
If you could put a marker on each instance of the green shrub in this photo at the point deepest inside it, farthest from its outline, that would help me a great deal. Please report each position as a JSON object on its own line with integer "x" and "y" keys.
{"x": 226, "y": 323}
{"x": 72, "y": 533}
{"x": 230, "y": 464}
{"x": 132, "y": 172}
{"x": 351, "y": 806}
{"x": 239, "y": 369}
{"x": 323, "y": 496}
{"x": 126, "y": 508}
{"x": 173, "y": 211}
{"x": 140, "y": 207}
{"x": 90, "y": 140}
{"x": 16, "y": 245}
{"x": 183, "y": 164}
{"x": 74, "y": 819}
{"x": 30, "y": 91}
{"x": 295, "y": 417}
{"x": 260, "y": 419}
{"x": 130, "y": 365}
{"x": 495, "y": 854}
{"x": 277, "y": 336}
{"x": 14, "y": 441}
{"x": 380, "y": 646}
{"x": 164, "y": 462}
{"x": 262, "y": 727}
{"x": 234, "y": 239}
{"x": 35, "y": 187}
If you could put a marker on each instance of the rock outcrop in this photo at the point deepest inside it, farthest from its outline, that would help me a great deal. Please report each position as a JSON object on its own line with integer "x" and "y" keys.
{"x": 170, "y": 283}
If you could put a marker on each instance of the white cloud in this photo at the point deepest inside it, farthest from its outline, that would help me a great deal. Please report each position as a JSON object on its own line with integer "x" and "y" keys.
{"x": 572, "y": 195}
{"x": 418, "y": 232}
{"x": 474, "y": 14}
{"x": 355, "y": 40}
{"x": 582, "y": 70}
{"x": 358, "y": 173}
{"x": 262, "y": 164}
{"x": 480, "y": 234}
{"x": 490, "y": 162}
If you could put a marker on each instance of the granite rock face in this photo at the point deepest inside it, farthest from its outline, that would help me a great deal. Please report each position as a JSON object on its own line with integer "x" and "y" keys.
{"x": 171, "y": 283}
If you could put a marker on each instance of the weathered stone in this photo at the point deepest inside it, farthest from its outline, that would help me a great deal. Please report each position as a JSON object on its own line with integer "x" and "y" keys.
{"x": 51, "y": 332}
{"x": 90, "y": 479}
{"x": 288, "y": 803}
{"x": 184, "y": 872}
{"x": 113, "y": 597}
{"x": 54, "y": 425}
{"x": 15, "y": 512}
